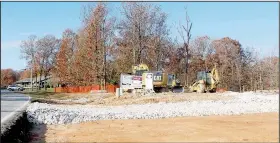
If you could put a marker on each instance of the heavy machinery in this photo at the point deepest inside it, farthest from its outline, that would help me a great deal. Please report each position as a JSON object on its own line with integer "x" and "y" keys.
{"x": 174, "y": 84}
{"x": 162, "y": 82}
{"x": 139, "y": 69}
{"x": 207, "y": 81}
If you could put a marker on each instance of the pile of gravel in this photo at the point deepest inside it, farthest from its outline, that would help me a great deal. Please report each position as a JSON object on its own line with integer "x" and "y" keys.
{"x": 249, "y": 102}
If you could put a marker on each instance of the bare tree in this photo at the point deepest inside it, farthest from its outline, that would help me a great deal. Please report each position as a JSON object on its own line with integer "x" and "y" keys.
{"x": 47, "y": 49}
{"x": 136, "y": 27}
{"x": 143, "y": 36}
{"x": 160, "y": 39}
{"x": 28, "y": 51}
{"x": 185, "y": 33}
{"x": 202, "y": 48}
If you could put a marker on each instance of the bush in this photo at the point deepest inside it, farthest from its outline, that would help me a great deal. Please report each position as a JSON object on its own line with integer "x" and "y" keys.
{"x": 114, "y": 82}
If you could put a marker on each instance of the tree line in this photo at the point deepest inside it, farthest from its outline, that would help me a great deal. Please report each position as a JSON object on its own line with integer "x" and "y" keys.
{"x": 9, "y": 76}
{"x": 104, "y": 47}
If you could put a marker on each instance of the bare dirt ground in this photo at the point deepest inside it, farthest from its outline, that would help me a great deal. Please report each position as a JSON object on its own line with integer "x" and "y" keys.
{"x": 262, "y": 127}
{"x": 108, "y": 99}
{"x": 160, "y": 97}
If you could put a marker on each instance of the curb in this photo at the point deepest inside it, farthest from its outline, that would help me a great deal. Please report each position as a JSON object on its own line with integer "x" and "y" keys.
{"x": 9, "y": 120}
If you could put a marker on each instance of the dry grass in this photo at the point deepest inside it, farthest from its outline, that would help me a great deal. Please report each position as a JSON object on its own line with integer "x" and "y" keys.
{"x": 109, "y": 99}
{"x": 161, "y": 97}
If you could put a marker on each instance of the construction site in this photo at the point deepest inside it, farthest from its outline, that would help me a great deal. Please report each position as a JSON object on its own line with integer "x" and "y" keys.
{"x": 140, "y": 72}
{"x": 150, "y": 106}
{"x": 223, "y": 117}
{"x": 155, "y": 105}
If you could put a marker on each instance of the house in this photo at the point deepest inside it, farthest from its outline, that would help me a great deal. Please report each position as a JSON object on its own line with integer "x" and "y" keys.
{"x": 26, "y": 83}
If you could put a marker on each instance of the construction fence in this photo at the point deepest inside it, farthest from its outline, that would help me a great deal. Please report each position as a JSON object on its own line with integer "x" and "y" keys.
{"x": 109, "y": 88}
{"x": 85, "y": 89}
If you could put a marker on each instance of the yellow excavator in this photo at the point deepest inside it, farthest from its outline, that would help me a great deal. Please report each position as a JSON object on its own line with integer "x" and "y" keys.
{"x": 207, "y": 81}
{"x": 162, "y": 81}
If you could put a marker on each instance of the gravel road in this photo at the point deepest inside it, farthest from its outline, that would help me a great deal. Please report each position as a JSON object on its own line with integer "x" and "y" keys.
{"x": 242, "y": 103}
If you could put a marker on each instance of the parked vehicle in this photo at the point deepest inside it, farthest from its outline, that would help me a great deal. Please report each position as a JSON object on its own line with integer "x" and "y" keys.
{"x": 15, "y": 88}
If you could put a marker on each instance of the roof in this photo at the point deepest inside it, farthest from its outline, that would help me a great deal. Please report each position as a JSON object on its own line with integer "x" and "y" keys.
{"x": 24, "y": 80}
{"x": 27, "y": 80}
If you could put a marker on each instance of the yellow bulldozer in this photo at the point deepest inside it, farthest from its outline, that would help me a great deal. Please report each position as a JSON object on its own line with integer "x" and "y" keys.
{"x": 162, "y": 81}
{"x": 207, "y": 81}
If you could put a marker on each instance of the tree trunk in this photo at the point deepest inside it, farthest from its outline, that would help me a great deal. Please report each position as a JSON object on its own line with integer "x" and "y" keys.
{"x": 104, "y": 59}
{"x": 133, "y": 48}
{"x": 187, "y": 80}
{"x": 239, "y": 79}
{"x": 140, "y": 44}
{"x": 40, "y": 80}
{"x": 240, "y": 86}
{"x": 45, "y": 82}
{"x": 261, "y": 82}
{"x": 36, "y": 81}
{"x": 251, "y": 81}
{"x": 186, "y": 71}
{"x": 186, "y": 77}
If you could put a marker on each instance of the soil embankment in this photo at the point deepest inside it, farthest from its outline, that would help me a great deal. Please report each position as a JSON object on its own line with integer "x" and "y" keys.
{"x": 19, "y": 132}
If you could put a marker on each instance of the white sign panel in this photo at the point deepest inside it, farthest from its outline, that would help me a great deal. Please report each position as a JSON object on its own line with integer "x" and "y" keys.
{"x": 126, "y": 81}
{"x": 130, "y": 81}
{"x": 149, "y": 81}
{"x": 137, "y": 81}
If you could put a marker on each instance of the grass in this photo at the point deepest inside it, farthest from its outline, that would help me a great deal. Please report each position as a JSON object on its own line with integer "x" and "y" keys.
{"x": 43, "y": 94}
{"x": 42, "y": 89}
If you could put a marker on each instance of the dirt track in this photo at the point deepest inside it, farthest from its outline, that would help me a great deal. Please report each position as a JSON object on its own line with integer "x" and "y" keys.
{"x": 242, "y": 128}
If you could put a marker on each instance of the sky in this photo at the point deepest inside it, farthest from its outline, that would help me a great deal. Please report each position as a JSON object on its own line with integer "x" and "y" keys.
{"x": 253, "y": 24}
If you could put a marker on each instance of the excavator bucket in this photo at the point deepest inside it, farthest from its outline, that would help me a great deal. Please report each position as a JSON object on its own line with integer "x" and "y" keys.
{"x": 178, "y": 89}
{"x": 176, "y": 85}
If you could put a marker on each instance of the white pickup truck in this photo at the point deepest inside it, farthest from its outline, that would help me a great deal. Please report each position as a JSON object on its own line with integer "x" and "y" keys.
{"x": 15, "y": 88}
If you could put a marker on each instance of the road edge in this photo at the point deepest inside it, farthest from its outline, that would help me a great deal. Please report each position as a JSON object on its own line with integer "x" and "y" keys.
{"x": 10, "y": 119}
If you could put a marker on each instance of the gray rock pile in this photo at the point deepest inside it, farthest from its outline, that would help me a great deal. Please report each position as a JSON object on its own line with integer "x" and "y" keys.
{"x": 248, "y": 102}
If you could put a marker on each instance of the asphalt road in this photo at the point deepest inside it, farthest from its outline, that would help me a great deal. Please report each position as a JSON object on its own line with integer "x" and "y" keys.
{"x": 12, "y": 106}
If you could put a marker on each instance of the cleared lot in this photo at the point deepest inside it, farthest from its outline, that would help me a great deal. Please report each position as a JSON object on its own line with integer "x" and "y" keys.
{"x": 94, "y": 122}
{"x": 241, "y": 103}
{"x": 109, "y": 99}
{"x": 238, "y": 128}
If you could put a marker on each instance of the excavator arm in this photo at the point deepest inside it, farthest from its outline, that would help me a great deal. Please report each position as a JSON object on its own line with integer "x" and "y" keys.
{"x": 139, "y": 69}
{"x": 201, "y": 85}
{"x": 215, "y": 76}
